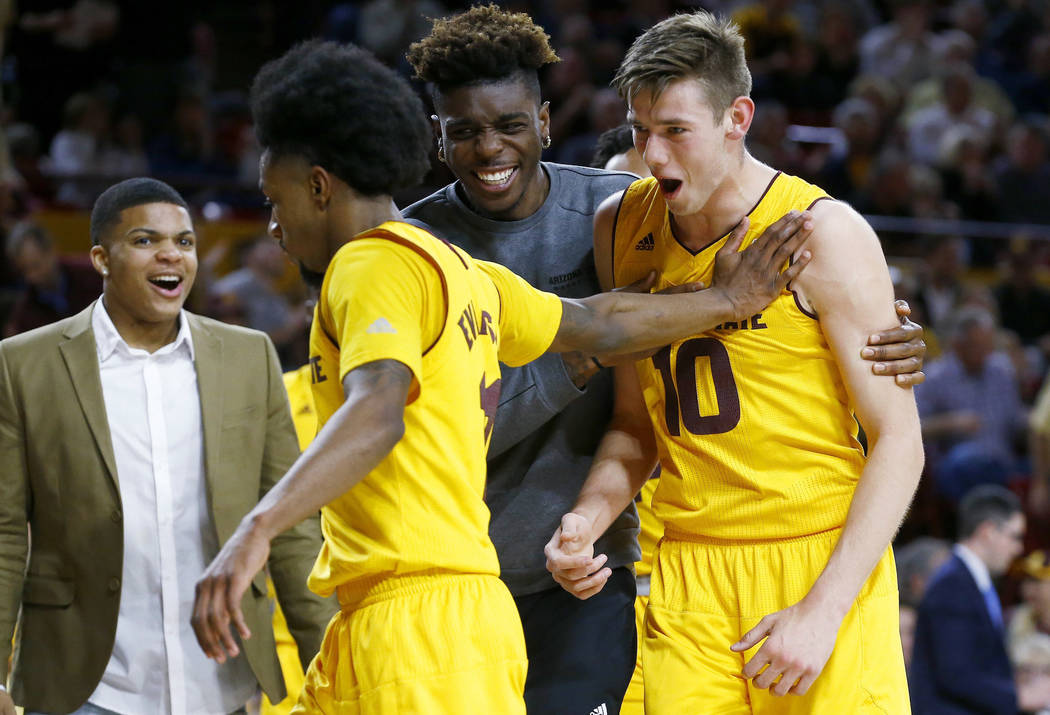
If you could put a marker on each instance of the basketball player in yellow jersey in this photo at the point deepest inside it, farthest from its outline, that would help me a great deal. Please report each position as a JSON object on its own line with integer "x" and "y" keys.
{"x": 406, "y": 343}
{"x": 774, "y": 577}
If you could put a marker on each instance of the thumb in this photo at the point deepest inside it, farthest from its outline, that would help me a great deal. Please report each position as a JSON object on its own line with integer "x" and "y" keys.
{"x": 753, "y": 636}
{"x": 571, "y": 530}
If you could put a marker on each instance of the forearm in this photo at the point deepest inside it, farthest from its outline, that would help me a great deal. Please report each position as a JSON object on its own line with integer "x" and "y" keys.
{"x": 530, "y": 396}
{"x": 611, "y": 324}
{"x": 624, "y": 461}
{"x": 883, "y": 493}
{"x": 352, "y": 443}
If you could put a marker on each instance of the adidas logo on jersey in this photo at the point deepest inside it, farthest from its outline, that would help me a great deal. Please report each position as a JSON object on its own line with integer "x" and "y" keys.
{"x": 382, "y": 325}
{"x": 646, "y": 244}
{"x": 601, "y": 709}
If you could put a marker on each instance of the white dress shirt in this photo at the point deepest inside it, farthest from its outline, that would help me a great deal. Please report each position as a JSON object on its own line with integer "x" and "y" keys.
{"x": 975, "y": 566}
{"x": 154, "y": 413}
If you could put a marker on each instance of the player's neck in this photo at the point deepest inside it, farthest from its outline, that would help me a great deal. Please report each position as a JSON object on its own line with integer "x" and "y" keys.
{"x": 357, "y": 215}
{"x": 734, "y": 198}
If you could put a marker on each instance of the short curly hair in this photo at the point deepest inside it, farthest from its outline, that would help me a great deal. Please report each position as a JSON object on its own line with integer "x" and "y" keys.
{"x": 338, "y": 107}
{"x": 483, "y": 44}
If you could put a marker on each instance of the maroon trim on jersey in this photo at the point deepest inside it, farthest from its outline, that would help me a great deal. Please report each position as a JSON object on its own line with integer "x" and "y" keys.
{"x": 705, "y": 247}
{"x": 612, "y": 245}
{"x": 798, "y": 303}
{"x": 401, "y": 241}
{"x": 455, "y": 251}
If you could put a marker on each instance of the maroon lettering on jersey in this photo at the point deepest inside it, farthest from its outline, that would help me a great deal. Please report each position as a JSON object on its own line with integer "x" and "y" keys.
{"x": 316, "y": 375}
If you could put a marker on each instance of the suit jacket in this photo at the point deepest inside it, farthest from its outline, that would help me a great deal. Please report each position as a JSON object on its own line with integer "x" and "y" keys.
{"x": 58, "y": 475}
{"x": 959, "y": 664}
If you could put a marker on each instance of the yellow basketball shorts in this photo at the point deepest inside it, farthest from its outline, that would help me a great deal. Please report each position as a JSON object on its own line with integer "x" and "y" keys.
{"x": 423, "y": 644}
{"x": 633, "y": 698}
{"x": 705, "y": 596}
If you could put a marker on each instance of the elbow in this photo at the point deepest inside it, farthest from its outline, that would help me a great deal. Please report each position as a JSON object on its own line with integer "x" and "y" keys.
{"x": 391, "y": 431}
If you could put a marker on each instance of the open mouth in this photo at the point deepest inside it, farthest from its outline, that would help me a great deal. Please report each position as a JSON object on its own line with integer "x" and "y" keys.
{"x": 496, "y": 179}
{"x": 168, "y": 284}
{"x": 670, "y": 186}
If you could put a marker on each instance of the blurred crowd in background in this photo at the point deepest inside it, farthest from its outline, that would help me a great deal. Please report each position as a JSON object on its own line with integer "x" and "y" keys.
{"x": 930, "y": 117}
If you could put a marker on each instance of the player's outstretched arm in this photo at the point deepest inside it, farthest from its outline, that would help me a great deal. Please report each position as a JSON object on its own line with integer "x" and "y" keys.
{"x": 745, "y": 282}
{"x": 352, "y": 443}
{"x": 847, "y": 285}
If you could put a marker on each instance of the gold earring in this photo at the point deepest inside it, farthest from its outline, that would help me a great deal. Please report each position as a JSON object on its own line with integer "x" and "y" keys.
{"x": 441, "y": 153}
{"x": 547, "y": 142}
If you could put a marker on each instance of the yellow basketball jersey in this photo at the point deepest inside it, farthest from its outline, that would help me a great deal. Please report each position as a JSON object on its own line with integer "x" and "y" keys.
{"x": 301, "y": 400}
{"x": 398, "y": 293}
{"x": 756, "y": 437}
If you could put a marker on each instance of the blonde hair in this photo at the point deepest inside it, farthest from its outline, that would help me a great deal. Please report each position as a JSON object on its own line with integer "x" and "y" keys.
{"x": 698, "y": 45}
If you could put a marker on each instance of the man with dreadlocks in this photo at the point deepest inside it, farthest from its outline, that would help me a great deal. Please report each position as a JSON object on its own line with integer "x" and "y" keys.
{"x": 535, "y": 217}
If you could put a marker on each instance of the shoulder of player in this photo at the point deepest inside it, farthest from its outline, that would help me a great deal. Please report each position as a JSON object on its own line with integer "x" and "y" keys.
{"x": 838, "y": 229}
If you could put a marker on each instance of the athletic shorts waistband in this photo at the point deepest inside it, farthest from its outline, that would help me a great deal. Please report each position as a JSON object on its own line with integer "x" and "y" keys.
{"x": 672, "y": 534}
{"x": 365, "y": 592}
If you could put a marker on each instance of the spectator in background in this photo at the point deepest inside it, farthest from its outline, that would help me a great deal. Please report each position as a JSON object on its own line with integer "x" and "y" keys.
{"x": 958, "y": 52}
{"x": 23, "y": 143}
{"x": 916, "y": 563}
{"x": 1024, "y": 305}
{"x": 1032, "y": 615}
{"x": 1031, "y": 86}
{"x": 253, "y": 287}
{"x": 1023, "y": 175}
{"x": 963, "y": 162}
{"x": 387, "y": 27}
{"x": 1030, "y": 658}
{"x": 123, "y": 154}
{"x": 606, "y": 111}
{"x": 941, "y": 285}
{"x": 960, "y": 664}
{"x": 955, "y": 106}
{"x": 768, "y": 140}
{"x": 848, "y": 169}
{"x": 970, "y": 408}
{"x": 55, "y": 287}
{"x": 904, "y": 49}
{"x": 76, "y": 149}
{"x": 187, "y": 148}
{"x": 1039, "y": 453}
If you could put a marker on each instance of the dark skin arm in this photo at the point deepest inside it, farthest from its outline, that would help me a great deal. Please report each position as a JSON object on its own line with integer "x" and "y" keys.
{"x": 352, "y": 443}
{"x": 745, "y": 282}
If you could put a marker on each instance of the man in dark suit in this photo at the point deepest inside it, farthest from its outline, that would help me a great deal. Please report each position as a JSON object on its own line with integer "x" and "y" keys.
{"x": 134, "y": 436}
{"x": 960, "y": 664}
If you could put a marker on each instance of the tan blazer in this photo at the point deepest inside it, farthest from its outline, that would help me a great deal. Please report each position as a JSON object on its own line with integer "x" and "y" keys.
{"x": 58, "y": 475}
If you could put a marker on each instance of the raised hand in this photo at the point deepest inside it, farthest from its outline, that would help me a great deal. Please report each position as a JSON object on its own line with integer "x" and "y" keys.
{"x": 751, "y": 279}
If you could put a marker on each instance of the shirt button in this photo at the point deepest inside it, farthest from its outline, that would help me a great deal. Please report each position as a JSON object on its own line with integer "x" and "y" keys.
{"x": 114, "y": 584}
{"x": 116, "y": 516}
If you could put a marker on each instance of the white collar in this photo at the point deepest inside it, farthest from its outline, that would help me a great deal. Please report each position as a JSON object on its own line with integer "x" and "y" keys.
{"x": 976, "y": 566}
{"x": 108, "y": 339}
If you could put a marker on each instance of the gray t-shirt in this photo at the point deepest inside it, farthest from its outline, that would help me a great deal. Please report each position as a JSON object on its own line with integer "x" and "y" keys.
{"x": 547, "y": 430}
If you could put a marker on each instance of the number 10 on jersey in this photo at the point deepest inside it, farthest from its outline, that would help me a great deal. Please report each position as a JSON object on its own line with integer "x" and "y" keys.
{"x": 680, "y": 387}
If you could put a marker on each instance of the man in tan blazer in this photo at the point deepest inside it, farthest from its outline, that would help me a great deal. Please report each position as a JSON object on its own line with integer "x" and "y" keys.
{"x": 134, "y": 437}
